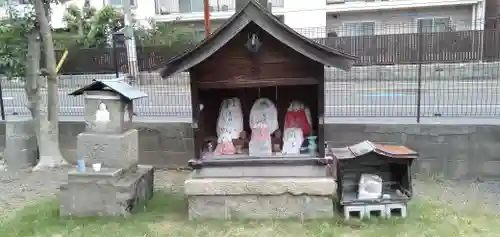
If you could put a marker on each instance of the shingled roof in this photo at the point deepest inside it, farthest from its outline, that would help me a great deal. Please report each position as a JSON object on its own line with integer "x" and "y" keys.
{"x": 254, "y": 12}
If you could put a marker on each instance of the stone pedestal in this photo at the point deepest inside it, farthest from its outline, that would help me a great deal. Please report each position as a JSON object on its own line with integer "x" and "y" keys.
{"x": 271, "y": 192}
{"x": 21, "y": 149}
{"x": 111, "y": 150}
{"x": 109, "y": 192}
{"x": 118, "y": 187}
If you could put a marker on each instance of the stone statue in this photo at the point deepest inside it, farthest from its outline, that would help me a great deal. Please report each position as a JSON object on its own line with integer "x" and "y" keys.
{"x": 102, "y": 114}
{"x": 264, "y": 111}
{"x": 370, "y": 187}
{"x": 292, "y": 141}
{"x": 230, "y": 118}
{"x": 225, "y": 145}
{"x": 298, "y": 116}
{"x": 260, "y": 142}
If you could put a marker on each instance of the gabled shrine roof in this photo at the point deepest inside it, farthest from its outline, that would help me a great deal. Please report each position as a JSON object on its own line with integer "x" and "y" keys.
{"x": 254, "y": 12}
{"x": 116, "y": 85}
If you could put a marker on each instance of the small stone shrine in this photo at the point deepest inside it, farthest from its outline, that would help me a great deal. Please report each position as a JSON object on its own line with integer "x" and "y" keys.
{"x": 273, "y": 84}
{"x": 108, "y": 180}
{"x": 373, "y": 179}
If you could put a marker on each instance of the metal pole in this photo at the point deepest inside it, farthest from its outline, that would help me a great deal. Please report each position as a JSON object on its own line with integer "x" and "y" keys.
{"x": 206, "y": 18}
{"x": 2, "y": 108}
{"x": 419, "y": 76}
{"x": 130, "y": 45}
{"x": 115, "y": 57}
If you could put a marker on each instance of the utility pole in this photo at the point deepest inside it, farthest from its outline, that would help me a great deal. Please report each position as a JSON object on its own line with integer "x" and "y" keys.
{"x": 206, "y": 18}
{"x": 130, "y": 42}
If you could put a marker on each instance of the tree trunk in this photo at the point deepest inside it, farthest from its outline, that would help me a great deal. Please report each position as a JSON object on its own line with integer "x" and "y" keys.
{"x": 31, "y": 86}
{"x": 50, "y": 155}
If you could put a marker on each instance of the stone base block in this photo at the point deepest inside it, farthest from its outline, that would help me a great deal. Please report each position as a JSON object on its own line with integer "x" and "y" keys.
{"x": 111, "y": 150}
{"x": 109, "y": 192}
{"x": 21, "y": 149}
{"x": 260, "y": 198}
{"x": 260, "y": 207}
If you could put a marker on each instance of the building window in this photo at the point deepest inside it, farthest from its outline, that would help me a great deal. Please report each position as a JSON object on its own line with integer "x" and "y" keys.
{"x": 188, "y": 6}
{"x": 436, "y": 24}
{"x": 119, "y": 3}
{"x": 13, "y": 2}
{"x": 358, "y": 28}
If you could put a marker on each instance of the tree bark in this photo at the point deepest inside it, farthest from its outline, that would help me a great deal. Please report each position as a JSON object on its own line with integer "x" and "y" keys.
{"x": 50, "y": 155}
{"x": 32, "y": 87}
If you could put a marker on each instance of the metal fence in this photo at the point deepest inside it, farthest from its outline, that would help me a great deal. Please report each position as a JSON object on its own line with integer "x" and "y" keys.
{"x": 415, "y": 74}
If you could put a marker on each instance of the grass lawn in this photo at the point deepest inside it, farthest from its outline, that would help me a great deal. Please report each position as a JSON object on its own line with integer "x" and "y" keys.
{"x": 165, "y": 215}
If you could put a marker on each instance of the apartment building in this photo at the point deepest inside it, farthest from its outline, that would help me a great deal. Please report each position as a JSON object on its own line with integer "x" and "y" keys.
{"x": 314, "y": 18}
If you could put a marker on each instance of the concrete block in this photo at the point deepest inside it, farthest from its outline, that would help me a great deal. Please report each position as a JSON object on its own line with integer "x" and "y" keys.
{"x": 260, "y": 186}
{"x": 358, "y": 211}
{"x": 369, "y": 211}
{"x": 395, "y": 210}
{"x": 262, "y": 171}
{"x": 112, "y": 150}
{"x": 21, "y": 148}
{"x": 375, "y": 211}
{"x": 284, "y": 206}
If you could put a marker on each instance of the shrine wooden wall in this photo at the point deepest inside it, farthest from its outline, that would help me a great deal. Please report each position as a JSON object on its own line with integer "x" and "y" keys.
{"x": 274, "y": 64}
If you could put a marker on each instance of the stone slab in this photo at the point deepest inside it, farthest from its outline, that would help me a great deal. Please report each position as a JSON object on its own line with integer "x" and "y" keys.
{"x": 107, "y": 198}
{"x": 21, "y": 148}
{"x": 262, "y": 171}
{"x": 112, "y": 150}
{"x": 260, "y": 207}
{"x": 260, "y": 186}
{"x": 104, "y": 175}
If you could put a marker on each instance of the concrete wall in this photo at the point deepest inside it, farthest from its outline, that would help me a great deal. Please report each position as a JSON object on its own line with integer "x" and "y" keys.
{"x": 450, "y": 150}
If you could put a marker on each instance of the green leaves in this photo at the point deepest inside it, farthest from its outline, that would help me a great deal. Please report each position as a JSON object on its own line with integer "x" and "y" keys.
{"x": 13, "y": 42}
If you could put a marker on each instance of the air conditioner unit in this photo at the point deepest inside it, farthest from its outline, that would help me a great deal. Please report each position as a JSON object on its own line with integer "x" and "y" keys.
{"x": 334, "y": 1}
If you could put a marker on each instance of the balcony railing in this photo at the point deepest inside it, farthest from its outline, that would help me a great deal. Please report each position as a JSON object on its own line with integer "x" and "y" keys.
{"x": 166, "y": 7}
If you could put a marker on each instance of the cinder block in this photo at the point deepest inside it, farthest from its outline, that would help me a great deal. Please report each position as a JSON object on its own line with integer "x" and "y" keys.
{"x": 358, "y": 210}
{"x": 375, "y": 210}
{"x": 395, "y": 209}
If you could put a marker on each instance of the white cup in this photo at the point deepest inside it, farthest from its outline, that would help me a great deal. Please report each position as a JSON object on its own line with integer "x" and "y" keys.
{"x": 96, "y": 167}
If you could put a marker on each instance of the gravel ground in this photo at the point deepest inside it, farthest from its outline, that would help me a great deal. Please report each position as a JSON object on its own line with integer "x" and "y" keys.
{"x": 18, "y": 189}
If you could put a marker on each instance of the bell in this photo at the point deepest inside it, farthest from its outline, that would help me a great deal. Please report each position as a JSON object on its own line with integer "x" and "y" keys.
{"x": 253, "y": 43}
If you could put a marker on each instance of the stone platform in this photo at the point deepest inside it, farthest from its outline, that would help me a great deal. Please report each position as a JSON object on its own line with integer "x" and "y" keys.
{"x": 109, "y": 192}
{"x": 266, "y": 192}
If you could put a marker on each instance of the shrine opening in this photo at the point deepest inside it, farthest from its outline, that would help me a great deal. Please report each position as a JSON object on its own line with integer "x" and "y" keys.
{"x": 257, "y": 90}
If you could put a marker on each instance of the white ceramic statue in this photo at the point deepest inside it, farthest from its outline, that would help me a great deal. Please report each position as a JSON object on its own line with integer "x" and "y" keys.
{"x": 264, "y": 111}
{"x": 102, "y": 114}
{"x": 230, "y": 118}
{"x": 292, "y": 141}
{"x": 370, "y": 187}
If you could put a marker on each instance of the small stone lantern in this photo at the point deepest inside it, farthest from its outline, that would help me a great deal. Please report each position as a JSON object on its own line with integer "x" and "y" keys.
{"x": 108, "y": 105}
{"x": 110, "y": 142}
